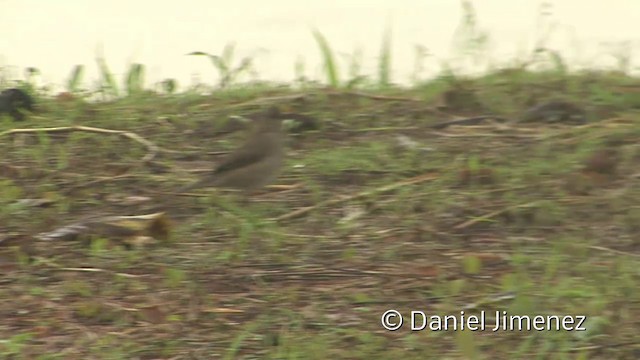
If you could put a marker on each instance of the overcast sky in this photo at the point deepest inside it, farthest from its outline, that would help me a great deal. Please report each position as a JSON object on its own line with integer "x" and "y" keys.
{"x": 53, "y": 36}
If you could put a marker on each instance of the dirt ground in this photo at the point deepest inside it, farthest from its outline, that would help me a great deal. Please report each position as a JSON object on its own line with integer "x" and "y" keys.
{"x": 376, "y": 210}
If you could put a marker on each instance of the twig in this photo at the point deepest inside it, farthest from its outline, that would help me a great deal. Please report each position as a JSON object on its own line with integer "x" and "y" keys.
{"x": 391, "y": 98}
{"x": 302, "y": 211}
{"x": 601, "y": 123}
{"x": 492, "y": 135}
{"x": 475, "y": 120}
{"x": 490, "y": 215}
{"x": 152, "y": 148}
{"x": 607, "y": 346}
{"x": 83, "y": 269}
{"x": 98, "y": 181}
{"x": 384, "y": 128}
{"x": 267, "y": 100}
{"x": 125, "y": 275}
{"x": 602, "y": 248}
{"x": 377, "y": 97}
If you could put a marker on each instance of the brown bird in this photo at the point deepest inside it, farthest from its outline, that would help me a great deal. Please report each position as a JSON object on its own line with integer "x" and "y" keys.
{"x": 256, "y": 163}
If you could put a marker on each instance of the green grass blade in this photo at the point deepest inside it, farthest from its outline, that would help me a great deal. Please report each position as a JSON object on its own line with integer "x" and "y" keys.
{"x": 108, "y": 82}
{"x": 135, "y": 79}
{"x": 219, "y": 62}
{"x": 330, "y": 68}
{"x": 384, "y": 67}
{"x": 75, "y": 79}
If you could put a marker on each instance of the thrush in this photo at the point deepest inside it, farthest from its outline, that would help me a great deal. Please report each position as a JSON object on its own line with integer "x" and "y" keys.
{"x": 253, "y": 165}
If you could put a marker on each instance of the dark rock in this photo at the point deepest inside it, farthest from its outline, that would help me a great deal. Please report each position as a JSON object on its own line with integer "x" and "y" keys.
{"x": 14, "y": 101}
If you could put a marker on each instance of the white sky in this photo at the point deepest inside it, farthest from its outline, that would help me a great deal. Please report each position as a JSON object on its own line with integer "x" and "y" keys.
{"x": 53, "y": 36}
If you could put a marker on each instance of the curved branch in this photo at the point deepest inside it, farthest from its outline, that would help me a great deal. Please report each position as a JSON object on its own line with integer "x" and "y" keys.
{"x": 152, "y": 149}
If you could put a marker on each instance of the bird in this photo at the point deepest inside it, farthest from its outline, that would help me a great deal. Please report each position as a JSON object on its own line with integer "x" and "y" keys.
{"x": 13, "y": 101}
{"x": 254, "y": 164}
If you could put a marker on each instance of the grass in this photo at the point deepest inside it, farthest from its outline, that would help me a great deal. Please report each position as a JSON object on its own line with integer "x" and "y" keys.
{"x": 232, "y": 284}
{"x": 505, "y": 211}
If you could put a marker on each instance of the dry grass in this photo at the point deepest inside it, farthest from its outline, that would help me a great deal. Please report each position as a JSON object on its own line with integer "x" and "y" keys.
{"x": 541, "y": 212}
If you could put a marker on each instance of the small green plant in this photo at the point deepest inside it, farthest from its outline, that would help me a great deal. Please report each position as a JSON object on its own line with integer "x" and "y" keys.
{"x": 9, "y": 192}
{"x": 466, "y": 343}
{"x": 169, "y": 86}
{"x": 227, "y": 73}
{"x": 470, "y": 41}
{"x": 99, "y": 246}
{"x": 30, "y": 77}
{"x": 236, "y": 345}
{"x": 174, "y": 277}
{"x": 13, "y": 346}
{"x": 108, "y": 84}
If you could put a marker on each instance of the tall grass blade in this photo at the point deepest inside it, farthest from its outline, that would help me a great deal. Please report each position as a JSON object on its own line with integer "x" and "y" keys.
{"x": 470, "y": 41}
{"x": 355, "y": 67}
{"x": 421, "y": 53}
{"x": 216, "y": 60}
{"x": 219, "y": 63}
{"x": 228, "y": 52}
{"x": 108, "y": 82}
{"x": 384, "y": 67}
{"x": 330, "y": 69}
{"x": 30, "y": 74}
{"x": 169, "y": 86}
{"x": 135, "y": 79}
{"x": 245, "y": 67}
{"x": 73, "y": 84}
{"x": 558, "y": 62}
{"x": 299, "y": 71}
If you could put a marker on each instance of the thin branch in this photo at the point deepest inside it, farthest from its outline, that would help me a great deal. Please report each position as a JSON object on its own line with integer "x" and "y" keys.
{"x": 618, "y": 252}
{"x": 83, "y": 269}
{"x": 303, "y": 211}
{"x": 492, "y": 214}
{"x": 152, "y": 148}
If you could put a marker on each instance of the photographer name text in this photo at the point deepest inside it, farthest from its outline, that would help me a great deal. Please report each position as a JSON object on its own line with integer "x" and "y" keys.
{"x": 393, "y": 320}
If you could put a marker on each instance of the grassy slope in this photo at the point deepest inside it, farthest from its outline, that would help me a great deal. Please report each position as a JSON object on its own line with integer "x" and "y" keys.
{"x": 234, "y": 284}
